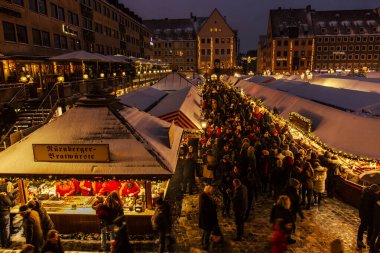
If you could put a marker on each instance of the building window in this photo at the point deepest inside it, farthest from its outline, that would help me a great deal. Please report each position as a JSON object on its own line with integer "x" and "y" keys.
{"x": 222, "y": 51}
{"x": 377, "y": 48}
{"x": 279, "y": 43}
{"x": 318, "y": 57}
{"x": 310, "y": 42}
{"x": 364, "y": 39}
{"x": 286, "y": 43}
{"x": 57, "y": 41}
{"x": 18, "y": 2}
{"x": 296, "y": 43}
{"x": 61, "y": 13}
{"x": 208, "y": 51}
{"x": 278, "y": 64}
{"x": 350, "y": 48}
{"x": 54, "y": 10}
{"x": 208, "y": 40}
{"x": 303, "y": 43}
{"x": 331, "y": 57}
{"x": 339, "y": 39}
{"x": 326, "y": 39}
{"x": 63, "y": 42}
{"x": 320, "y": 40}
{"x": 9, "y": 31}
{"x": 73, "y": 18}
{"x": 337, "y": 48}
{"x": 216, "y": 51}
{"x": 325, "y": 48}
{"x": 352, "y": 39}
{"x": 356, "y": 57}
{"x": 45, "y": 39}
{"x": 344, "y": 48}
{"x": 332, "y": 48}
{"x": 36, "y": 37}
{"x": 371, "y": 39}
{"x": 337, "y": 57}
{"x": 203, "y": 52}
{"x": 364, "y": 48}
{"x": 22, "y": 34}
{"x": 362, "y": 57}
{"x": 370, "y": 47}
{"x": 345, "y": 39}
{"x": 375, "y": 56}
{"x": 325, "y": 57}
{"x": 358, "y": 39}
{"x": 349, "y": 57}
{"x": 285, "y": 53}
{"x": 332, "y": 40}
{"x": 278, "y": 53}
{"x": 216, "y": 40}
{"x": 369, "y": 56}
{"x": 38, "y": 6}
{"x": 228, "y": 51}
{"x": 284, "y": 63}
{"x": 343, "y": 57}
{"x": 357, "y": 48}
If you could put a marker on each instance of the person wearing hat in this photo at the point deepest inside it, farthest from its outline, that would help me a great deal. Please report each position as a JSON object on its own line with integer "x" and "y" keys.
{"x": 368, "y": 199}
{"x": 32, "y": 227}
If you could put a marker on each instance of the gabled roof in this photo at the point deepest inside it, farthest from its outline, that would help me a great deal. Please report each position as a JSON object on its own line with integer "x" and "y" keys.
{"x": 216, "y": 12}
{"x": 172, "y": 82}
{"x": 143, "y": 98}
{"x": 130, "y": 154}
{"x": 340, "y": 130}
{"x": 183, "y": 106}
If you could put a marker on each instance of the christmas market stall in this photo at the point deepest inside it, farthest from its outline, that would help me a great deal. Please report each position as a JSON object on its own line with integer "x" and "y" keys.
{"x": 94, "y": 149}
{"x": 322, "y": 126}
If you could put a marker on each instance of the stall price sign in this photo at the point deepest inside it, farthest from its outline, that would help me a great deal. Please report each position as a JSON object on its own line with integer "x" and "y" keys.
{"x": 79, "y": 153}
{"x": 300, "y": 121}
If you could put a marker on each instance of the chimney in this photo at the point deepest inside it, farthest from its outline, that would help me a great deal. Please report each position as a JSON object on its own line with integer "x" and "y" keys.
{"x": 308, "y": 8}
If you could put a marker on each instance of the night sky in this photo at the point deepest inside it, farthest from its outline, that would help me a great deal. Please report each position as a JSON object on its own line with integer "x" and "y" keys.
{"x": 249, "y": 17}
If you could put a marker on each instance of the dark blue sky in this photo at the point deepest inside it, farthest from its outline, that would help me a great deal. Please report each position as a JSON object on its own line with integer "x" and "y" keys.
{"x": 249, "y": 17}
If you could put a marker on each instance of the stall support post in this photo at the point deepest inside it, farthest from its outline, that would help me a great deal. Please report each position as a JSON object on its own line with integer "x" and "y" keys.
{"x": 148, "y": 193}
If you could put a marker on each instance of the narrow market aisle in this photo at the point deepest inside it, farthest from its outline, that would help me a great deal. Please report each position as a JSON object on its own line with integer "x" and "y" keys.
{"x": 332, "y": 220}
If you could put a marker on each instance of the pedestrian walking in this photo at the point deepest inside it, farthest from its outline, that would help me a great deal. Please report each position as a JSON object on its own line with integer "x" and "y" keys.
{"x": 162, "y": 222}
{"x": 368, "y": 199}
{"x": 107, "y": 211}
{"x": 208, "y": 219}
{"x": 5, "y": 204}
{"x": 32, "y": 227}
{"x": 319, "y": 181}
{"x": 53, "y": 243}
{"x": 307, "y": 184}
{"x": 121, "y": 243}
{"x": 281, "y": 210}
{"x": 239, "y": 204}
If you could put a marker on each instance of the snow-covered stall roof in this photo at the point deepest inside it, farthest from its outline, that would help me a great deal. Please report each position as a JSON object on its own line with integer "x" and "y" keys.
{"x": 182, "y": 106}
{"x": 345, "y": 99}
{"x": 340, "y": 130}
{"x": 347, "y": 82}
{"x": 172, "y": 82}
{"x": 260, "y": 79}
{"x": 143, "y": 98}
{"x": 94, "y": 125}
{"x": 155, "y": 132}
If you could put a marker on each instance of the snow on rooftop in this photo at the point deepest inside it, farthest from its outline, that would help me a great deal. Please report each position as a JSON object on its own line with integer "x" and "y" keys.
{"x": 84, "y": 125}
{"x": 186, "y": 101}
{"x": 370, "y": 84}
{"x": 172, "y": 82}
{"x": 339, "y": 129}
{"x": 142, "y": 98}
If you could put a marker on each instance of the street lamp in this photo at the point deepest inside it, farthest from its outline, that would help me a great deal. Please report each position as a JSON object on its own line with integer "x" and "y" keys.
{"x": 203, "y": 124}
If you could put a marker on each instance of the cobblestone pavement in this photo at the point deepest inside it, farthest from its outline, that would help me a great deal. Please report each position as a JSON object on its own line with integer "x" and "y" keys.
{"x": 332, "y": 220}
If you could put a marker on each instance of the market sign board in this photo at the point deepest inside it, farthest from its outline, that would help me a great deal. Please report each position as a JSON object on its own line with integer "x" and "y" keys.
{"x": 65, "y": 153}
{"x": 300, "y": 122}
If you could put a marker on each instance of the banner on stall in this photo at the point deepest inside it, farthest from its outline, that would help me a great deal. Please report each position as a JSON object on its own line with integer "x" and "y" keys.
{"x": 300, "y": 121}
{"x": 65, "y": 153}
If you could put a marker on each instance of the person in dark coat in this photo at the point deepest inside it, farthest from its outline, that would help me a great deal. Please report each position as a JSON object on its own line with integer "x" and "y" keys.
{"x": 53, "y": 243}
{"x": 46, "y": 222}
{"x": 368, "y": 199}
{"x": 180, "y": 167}
{"x": 208, "y": 219}
{"x": 374, "y": 244}
{"x": 163, "y": 221}
{"x": 189, "y": 171}
{"x": 32, "y": 227}
{"x": 239, "y": 204}
{"x": 5, "y": 204}
{"x": 225, "y": 188}
{"x": 295, "y": 206}
{"x": 281, "y": 210}
{"x": 307, "y": 184}
{"x": 121, "y": 243}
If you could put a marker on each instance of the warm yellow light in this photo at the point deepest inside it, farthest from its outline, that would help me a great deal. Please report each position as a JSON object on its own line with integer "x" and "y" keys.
{"x": 23, "y": 79}
{"x": 123, "y": 73}
{"x": 138, "y": 72}
{"x": 85, "y": 76}
{"x": 61, "y": 79}
{"x": 114, "y": 74}
{"x": 203, "y": 124}
{"x": 101, "y": 75}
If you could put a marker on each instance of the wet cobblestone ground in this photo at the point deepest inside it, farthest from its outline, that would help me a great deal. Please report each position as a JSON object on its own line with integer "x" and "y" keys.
{"x": 332, "y": 220}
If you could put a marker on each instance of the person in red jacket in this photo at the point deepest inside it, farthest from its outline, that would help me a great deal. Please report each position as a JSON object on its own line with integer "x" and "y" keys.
{"x": 65, "y": 188}
{"x": 96, "y": 186}
{"x": 86, "y": 188}
{"x": 279, "y": 239}
{"x": 109, "y": 186}
{"x": 129, "y": 188}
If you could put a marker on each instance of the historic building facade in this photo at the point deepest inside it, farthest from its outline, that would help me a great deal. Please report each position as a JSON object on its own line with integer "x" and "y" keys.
{"x": 52, "y": 27}
{"x": 304, "y": 39}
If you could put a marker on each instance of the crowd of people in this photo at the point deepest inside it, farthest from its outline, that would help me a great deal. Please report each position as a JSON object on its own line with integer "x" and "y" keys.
{"x": 248, "y": 152}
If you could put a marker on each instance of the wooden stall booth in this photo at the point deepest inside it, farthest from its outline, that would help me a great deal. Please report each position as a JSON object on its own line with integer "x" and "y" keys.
{"x": 94, "y": 149}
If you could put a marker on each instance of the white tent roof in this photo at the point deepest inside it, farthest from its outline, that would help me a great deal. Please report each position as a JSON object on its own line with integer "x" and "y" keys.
{"x": 260, "y": 79}
{"x": 185, "y": 101}
{"x": 155, "y": 132}
{"x": 347, "y": 82}
{"x": 143, "y": 98}
{"x": 341, "y": 130}
{"x": 87, "y": 125}
{"x": 172, "y": 82}
{"x": 78, "y": 56}
{"x": 346, "y": 99}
